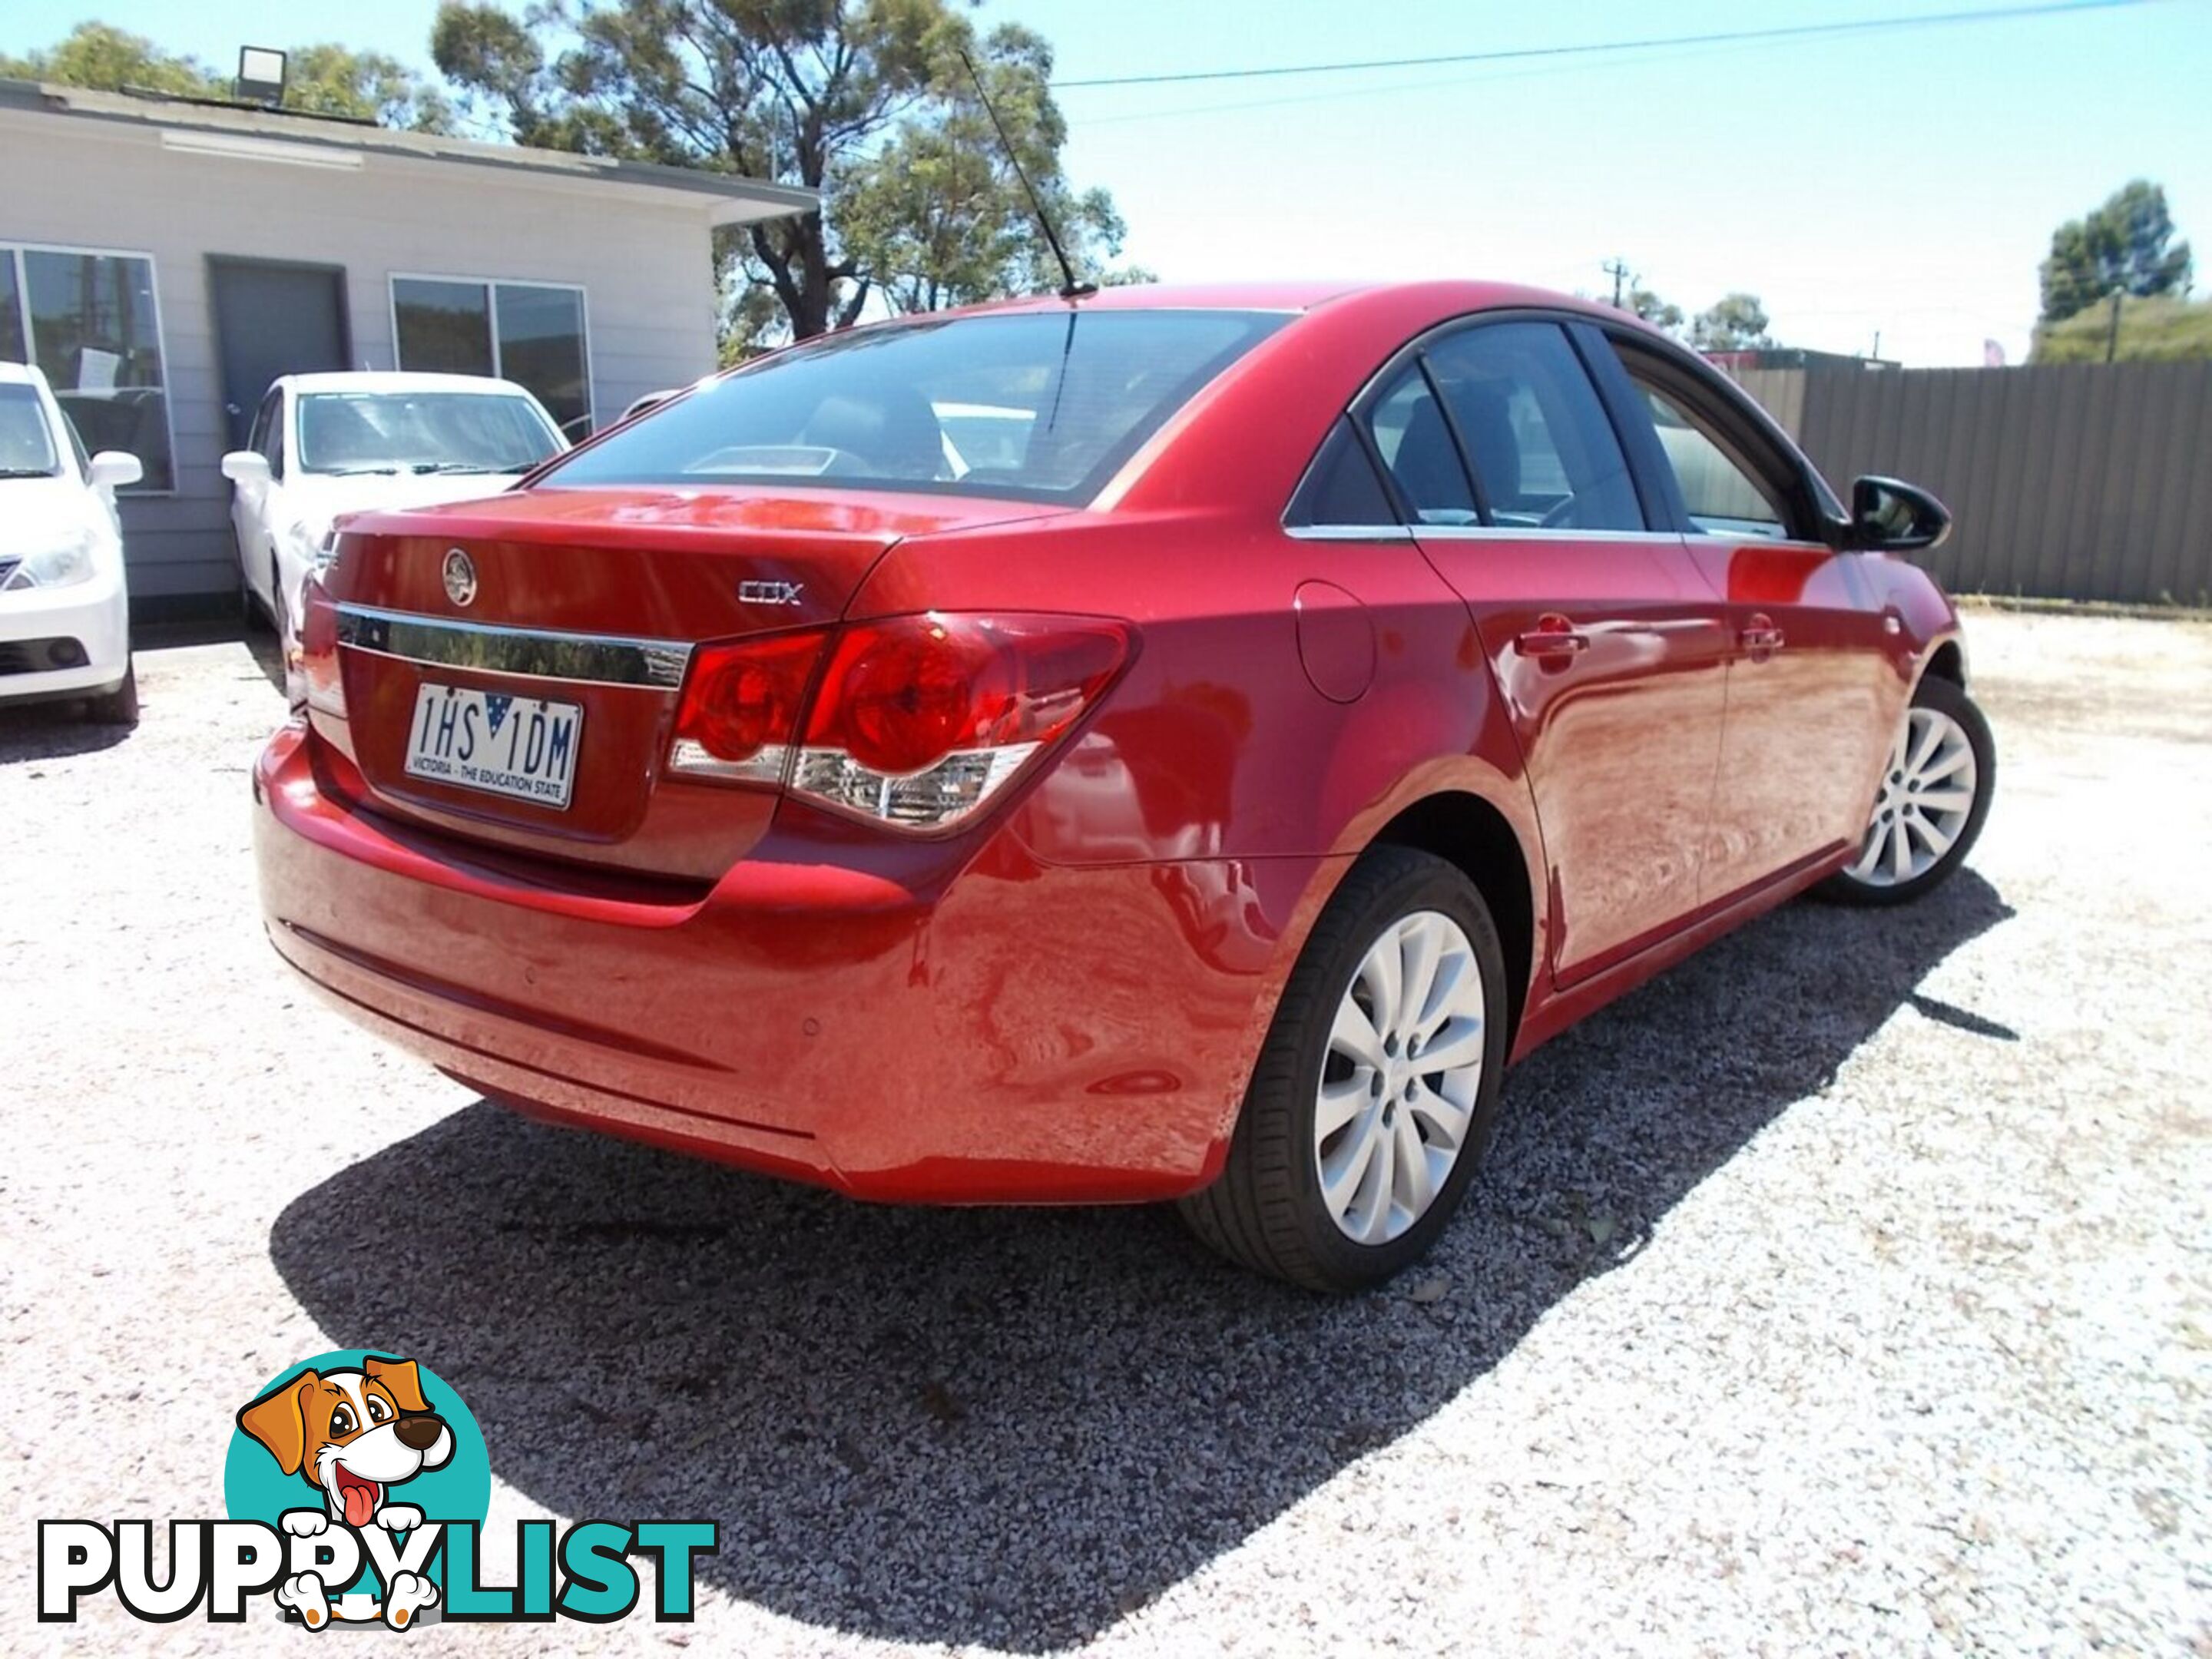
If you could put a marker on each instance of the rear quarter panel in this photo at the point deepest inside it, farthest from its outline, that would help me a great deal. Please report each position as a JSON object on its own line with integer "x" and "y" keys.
{"x": 1216, "y": 743}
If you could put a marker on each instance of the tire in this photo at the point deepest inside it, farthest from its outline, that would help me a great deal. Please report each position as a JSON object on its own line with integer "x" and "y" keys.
{"x": 1268, "y": 1211}
{"x": 1945, "y": 709}
{"x": 257, "y": 618}
{"x": 118, "y": 707}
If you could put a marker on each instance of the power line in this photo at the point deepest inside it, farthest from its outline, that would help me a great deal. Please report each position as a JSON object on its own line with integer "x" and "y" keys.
{"x": 1489, "y": 76}
{"x": 1793, "y": 32}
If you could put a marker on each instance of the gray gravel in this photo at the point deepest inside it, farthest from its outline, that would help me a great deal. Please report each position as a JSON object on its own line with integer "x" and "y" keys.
{"x": 1848, "y": 1290}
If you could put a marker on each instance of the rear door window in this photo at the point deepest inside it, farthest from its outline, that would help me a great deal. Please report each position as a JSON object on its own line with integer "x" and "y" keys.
{"x": 1541, "y": 447}
{"x": 1342, "y": 488}
{"x": 1415, "y": 442}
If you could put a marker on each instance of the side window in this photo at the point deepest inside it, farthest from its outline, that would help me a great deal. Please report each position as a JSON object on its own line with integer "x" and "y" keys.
{"x": 270, "y": 424}
{"x": 1722, "y": 497}
{"x": 1342, "y": 487}
{"x": 1415, "y": 442}
{"x": 1541, "y": 446}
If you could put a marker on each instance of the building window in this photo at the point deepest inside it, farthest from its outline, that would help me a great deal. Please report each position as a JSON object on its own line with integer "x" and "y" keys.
{"x": 90, "y": 321}
{"x": 531, "y": 333}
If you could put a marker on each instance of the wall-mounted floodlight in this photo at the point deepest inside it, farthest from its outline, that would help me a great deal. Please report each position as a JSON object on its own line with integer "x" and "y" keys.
{"x": 260, "y": 76}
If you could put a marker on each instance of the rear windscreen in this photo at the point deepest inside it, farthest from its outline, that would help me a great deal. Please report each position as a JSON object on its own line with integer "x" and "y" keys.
{"x": 1044, "y": 406}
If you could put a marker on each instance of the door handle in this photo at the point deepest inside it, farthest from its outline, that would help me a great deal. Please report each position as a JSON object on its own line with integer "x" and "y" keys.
{"x": 1552, "y": 636}
{"x": 1761, "y": 637}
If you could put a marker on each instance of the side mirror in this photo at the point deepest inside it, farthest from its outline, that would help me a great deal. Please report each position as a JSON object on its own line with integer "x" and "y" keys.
{"x": 115, "y": 469}
{"x": 245, "y": 466}
{"x": 1891, "y": 516}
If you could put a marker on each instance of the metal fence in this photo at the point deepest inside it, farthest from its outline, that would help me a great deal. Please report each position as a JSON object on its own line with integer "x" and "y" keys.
{"x": 2078, "y": 480}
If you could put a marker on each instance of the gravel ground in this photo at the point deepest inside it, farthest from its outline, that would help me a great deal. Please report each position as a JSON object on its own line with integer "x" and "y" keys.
{"x": 1848, "y": 1290}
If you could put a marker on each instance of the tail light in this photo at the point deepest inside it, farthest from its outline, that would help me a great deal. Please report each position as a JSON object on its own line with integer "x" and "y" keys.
{"x": 313, "y": 680}
{"x": 742, "y": 706}
{"x": 915, "y": 721}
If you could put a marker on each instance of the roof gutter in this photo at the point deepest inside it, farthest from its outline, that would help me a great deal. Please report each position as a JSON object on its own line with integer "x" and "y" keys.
{"x": 246, "y": 133}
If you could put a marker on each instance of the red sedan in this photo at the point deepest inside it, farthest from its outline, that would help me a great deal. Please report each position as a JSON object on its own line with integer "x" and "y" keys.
{"x": 1163, "y": 744}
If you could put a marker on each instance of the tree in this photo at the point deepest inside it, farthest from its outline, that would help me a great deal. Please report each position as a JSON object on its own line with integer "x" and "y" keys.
{"x": 1660, "y": 313}
{"x": 937, "y": 217}
{"x": 2126, "y": 247}
{"x": 866, "y": 101}
{"x": 1734, "y": 322}
{"x": 2160, "y": 329}
{"x": 99, "y": 55}
{"x": 326, "y": 79}
{"x": 330, "y": 80}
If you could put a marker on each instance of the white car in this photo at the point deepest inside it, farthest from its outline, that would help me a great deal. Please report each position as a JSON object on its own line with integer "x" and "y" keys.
{"x": 323, "y": 445}
{"x": 64, "y": 612}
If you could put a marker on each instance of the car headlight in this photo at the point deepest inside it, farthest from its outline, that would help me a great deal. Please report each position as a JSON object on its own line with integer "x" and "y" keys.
{"x": 55, "y": 565}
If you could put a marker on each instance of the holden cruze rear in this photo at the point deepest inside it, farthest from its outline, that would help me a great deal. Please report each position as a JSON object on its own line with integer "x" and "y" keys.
{"x": 660, "y": 794}
{"x": 1140, "y": 745}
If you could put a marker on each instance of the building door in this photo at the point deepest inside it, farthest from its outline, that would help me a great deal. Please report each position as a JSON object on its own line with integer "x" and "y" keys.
{"x": 272, "y": 319}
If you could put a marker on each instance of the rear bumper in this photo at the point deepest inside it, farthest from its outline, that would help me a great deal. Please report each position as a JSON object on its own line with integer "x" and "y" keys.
{"x": 1018, "y": 1033}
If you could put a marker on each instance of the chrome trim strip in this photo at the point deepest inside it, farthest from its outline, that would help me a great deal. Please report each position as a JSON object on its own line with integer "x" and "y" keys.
{"x": 1349, "y": 532}
{"x": 1472, "y": 533}
{"x": 1507, "y": 532}
{"x": 528, "y": 653}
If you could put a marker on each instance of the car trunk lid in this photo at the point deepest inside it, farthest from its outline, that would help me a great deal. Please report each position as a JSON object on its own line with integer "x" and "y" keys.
{"x": 575, "y": 612}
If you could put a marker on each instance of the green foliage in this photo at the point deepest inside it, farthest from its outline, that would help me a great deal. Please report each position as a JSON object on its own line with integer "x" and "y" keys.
{"x": 2125, "y": 246}
{"x": 1660, "y": 313}
{"x": 866, "y": 101}
{"x": 937, "y": 218}
{"x": 324, "y": 80}
{"x": 1734, "y": 322}
{"x": 330, "y": 80}
{"x": 2151, "y": 331}
{"x": 111, "y": 59}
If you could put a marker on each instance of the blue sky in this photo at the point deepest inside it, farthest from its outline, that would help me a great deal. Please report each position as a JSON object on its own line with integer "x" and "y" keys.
{"x": 1901, "y": 182}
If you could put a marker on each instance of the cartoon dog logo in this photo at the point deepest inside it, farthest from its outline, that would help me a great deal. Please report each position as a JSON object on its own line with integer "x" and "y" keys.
{"x": 353, "y": 1436}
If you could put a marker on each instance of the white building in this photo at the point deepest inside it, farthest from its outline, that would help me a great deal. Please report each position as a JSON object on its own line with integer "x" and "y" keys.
{"x": 163, "y": 260}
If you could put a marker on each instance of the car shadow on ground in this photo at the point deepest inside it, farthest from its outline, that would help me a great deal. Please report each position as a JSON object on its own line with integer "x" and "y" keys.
{"x": 268, "y": 654}
{"x": 54, "y": 731}
{"x": 1014, "y": 1427}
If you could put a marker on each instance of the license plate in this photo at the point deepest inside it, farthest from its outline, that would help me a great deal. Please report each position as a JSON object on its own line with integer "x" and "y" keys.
{"x": 524, "y": 748}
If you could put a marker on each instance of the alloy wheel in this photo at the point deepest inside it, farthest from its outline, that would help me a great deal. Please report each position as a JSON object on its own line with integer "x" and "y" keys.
{"x": 1927, "y": 794}
{"x": 1400, "y": 1082}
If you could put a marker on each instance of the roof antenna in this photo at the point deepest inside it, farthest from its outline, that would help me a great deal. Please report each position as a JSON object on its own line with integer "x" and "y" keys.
{"x": 1069, "y": 289}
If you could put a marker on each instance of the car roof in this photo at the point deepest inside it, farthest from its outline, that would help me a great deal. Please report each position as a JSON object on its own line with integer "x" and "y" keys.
{"x": 1259, "y": 296}
{"x": 391, "y": 381}
{"x": 19, "y": 375}
{"x": 1443, "y": 297}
